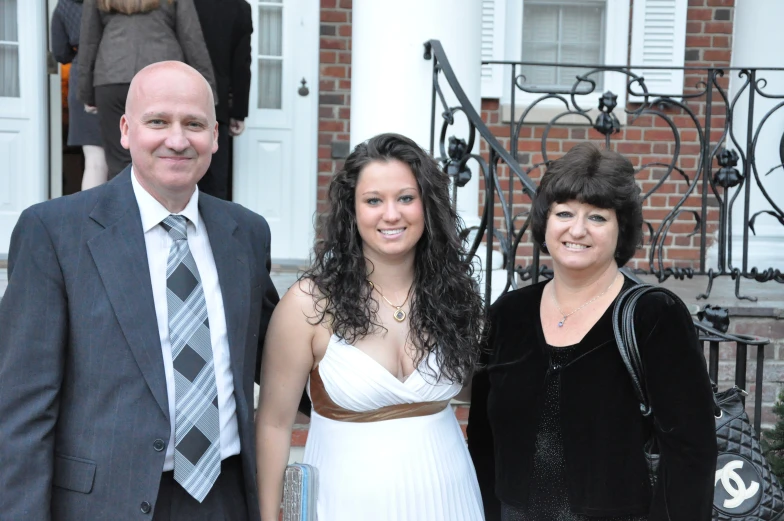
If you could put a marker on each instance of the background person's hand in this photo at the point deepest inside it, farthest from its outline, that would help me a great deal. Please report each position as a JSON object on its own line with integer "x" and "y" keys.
{"x": 90, "y": 109}
{"x": 236, "y": 127}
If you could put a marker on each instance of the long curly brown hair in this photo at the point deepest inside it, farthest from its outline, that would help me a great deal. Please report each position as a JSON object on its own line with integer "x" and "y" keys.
{"x": 446, "y": 316}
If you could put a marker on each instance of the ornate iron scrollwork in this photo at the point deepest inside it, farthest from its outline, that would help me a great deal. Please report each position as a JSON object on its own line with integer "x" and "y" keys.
{"x": 455, "y": 166}
{"x": 691, "y": 208}
{"x": 716, "y": 317}
{"x": 727, "y": 176}
{"x": 606, "y": 123}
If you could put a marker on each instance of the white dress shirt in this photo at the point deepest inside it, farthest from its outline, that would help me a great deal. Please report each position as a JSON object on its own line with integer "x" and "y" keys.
{"x": 158, "y": 242}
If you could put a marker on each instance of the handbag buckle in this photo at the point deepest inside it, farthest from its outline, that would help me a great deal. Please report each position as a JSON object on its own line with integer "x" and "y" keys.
{"x": 741, "y": 391}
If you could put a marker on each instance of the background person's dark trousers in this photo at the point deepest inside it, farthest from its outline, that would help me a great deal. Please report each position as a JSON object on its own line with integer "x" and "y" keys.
{"x": 216, "y": 181}
{"x": 110, "y": 102}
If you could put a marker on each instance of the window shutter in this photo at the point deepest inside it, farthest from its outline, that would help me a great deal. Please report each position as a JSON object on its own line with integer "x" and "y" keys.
{"x": 493, "y": 24}
{"x": 659, "y": 39}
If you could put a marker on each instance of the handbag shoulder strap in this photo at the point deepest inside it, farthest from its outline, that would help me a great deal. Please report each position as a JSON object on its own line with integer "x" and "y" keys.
{"x": 626, "y": 338}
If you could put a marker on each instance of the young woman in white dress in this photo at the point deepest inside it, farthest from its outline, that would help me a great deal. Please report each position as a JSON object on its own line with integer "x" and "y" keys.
{"x": 382, "y": 331}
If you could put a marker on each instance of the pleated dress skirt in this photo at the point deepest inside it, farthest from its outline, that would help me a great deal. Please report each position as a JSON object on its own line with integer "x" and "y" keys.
{"x": 406, "y": 469}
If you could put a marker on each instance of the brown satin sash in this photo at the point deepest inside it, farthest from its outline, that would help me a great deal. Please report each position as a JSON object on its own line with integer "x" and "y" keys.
{"x": 324, "y": 405}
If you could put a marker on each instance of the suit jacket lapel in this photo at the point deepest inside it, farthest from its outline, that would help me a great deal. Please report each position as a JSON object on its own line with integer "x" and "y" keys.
{"x": 120, "y": 255}
{"x": 231, "y": 262}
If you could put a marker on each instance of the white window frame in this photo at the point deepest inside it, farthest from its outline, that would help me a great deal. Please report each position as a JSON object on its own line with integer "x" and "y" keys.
{"x": 616, "y": 52}
{"x": 577, "y": 3}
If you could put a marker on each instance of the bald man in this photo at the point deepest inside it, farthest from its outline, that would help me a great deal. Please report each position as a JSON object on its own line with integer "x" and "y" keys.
{"x": 130, "y": 332}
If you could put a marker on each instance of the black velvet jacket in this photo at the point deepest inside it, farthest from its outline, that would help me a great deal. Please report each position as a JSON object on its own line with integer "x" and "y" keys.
{"x": 603, "y": 430}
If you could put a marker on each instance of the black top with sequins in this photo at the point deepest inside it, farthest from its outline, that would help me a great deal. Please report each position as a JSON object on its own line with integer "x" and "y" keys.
{"x": 549, "y": 499}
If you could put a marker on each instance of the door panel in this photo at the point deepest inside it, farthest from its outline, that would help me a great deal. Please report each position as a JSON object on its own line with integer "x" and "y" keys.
{"x": 275, "y": 171}
{"x": 23, "y": 135}
{"x": 268, "y": 160}
{"x": 10, "y": 150}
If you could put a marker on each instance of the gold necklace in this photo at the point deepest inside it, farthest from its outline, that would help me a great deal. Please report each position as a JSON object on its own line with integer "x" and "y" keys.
{"x": 398, "y": 314}
{"x": 567, "y": 315}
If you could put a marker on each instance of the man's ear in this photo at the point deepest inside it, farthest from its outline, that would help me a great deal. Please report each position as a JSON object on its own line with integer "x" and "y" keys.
{"x": 124, "y": 133}
{"x": 215, "y": 138}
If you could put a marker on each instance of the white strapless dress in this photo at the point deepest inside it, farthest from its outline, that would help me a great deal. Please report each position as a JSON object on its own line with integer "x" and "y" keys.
{"x": 407, "y": 469}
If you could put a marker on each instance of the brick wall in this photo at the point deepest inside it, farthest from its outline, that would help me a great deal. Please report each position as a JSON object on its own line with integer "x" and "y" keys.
{"x": 334, "y": 91}
{"x": 647, "y": 139}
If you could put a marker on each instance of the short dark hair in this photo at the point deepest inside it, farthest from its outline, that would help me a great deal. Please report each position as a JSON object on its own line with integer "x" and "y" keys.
{"x": 598, "y": 177}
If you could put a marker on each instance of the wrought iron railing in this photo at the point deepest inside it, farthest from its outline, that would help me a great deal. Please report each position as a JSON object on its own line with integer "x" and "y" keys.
{"x": 714, "y": 189}
{"x": 712, "y": 324}
{"x": 508, "y": 187}
{"x": 455, "y": 157}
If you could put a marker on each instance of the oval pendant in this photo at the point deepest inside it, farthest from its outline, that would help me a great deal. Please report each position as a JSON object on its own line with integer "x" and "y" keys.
{"x": 399, "y": 315}
{"x": 560, "y": 324}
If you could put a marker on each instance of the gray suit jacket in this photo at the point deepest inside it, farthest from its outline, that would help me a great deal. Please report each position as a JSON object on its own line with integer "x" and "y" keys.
{"x": 113, "y": 47}
{"x": 82, "y": 387}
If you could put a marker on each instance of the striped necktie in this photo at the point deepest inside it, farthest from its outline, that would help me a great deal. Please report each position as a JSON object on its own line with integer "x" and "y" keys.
{"x": 197, "y": 428}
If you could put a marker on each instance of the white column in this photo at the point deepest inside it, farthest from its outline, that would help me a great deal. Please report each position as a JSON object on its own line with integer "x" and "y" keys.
{"x": 756, "y": 28}
{"x": 391, "y": 82}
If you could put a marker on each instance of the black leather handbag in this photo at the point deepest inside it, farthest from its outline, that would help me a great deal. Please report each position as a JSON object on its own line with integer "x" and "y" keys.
{"x": 745, "y": 488}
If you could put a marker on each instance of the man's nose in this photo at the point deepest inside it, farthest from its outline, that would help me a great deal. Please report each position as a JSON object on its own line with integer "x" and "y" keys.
{"x": 177, "y": 140}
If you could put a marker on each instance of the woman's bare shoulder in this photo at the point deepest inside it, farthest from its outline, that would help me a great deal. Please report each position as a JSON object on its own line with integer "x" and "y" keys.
{"x": 302, "y": 295}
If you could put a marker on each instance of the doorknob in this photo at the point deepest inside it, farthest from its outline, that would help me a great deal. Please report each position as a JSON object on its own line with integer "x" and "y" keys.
{"x": 304, "y": 90}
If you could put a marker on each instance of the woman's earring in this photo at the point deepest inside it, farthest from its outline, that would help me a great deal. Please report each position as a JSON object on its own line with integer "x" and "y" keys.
{"x": 544, "y": 245}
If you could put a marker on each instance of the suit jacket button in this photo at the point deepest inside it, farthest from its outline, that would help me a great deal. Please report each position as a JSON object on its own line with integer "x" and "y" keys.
{"x": 158, "y": 445}
{"x": 146, "y": 507}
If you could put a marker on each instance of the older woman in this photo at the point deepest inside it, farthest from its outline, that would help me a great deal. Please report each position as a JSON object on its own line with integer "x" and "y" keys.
{"x": 555, "y": 429}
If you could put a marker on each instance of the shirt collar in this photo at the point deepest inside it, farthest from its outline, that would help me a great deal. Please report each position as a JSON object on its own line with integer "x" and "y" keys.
{"x": 153, "y": 212}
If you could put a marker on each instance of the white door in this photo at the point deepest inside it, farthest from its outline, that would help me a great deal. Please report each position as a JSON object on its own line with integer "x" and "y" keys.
{"x": 275, "y": 165}
{"x": 23, "y": 130}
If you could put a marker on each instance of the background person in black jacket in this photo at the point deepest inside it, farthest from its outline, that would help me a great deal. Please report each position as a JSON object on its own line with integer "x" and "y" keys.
{"x": 227, "y": 28}
{"x": 555, "y": 430}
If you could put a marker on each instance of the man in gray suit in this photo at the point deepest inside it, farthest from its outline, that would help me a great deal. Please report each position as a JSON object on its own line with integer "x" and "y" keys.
{"x": 130, "y": 332}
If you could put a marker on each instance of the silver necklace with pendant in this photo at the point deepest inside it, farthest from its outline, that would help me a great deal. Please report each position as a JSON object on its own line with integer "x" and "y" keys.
{"x": 564, "y": 316}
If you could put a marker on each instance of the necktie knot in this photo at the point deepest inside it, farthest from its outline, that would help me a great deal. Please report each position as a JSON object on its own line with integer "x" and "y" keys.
{"x": 176, "y": 226}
